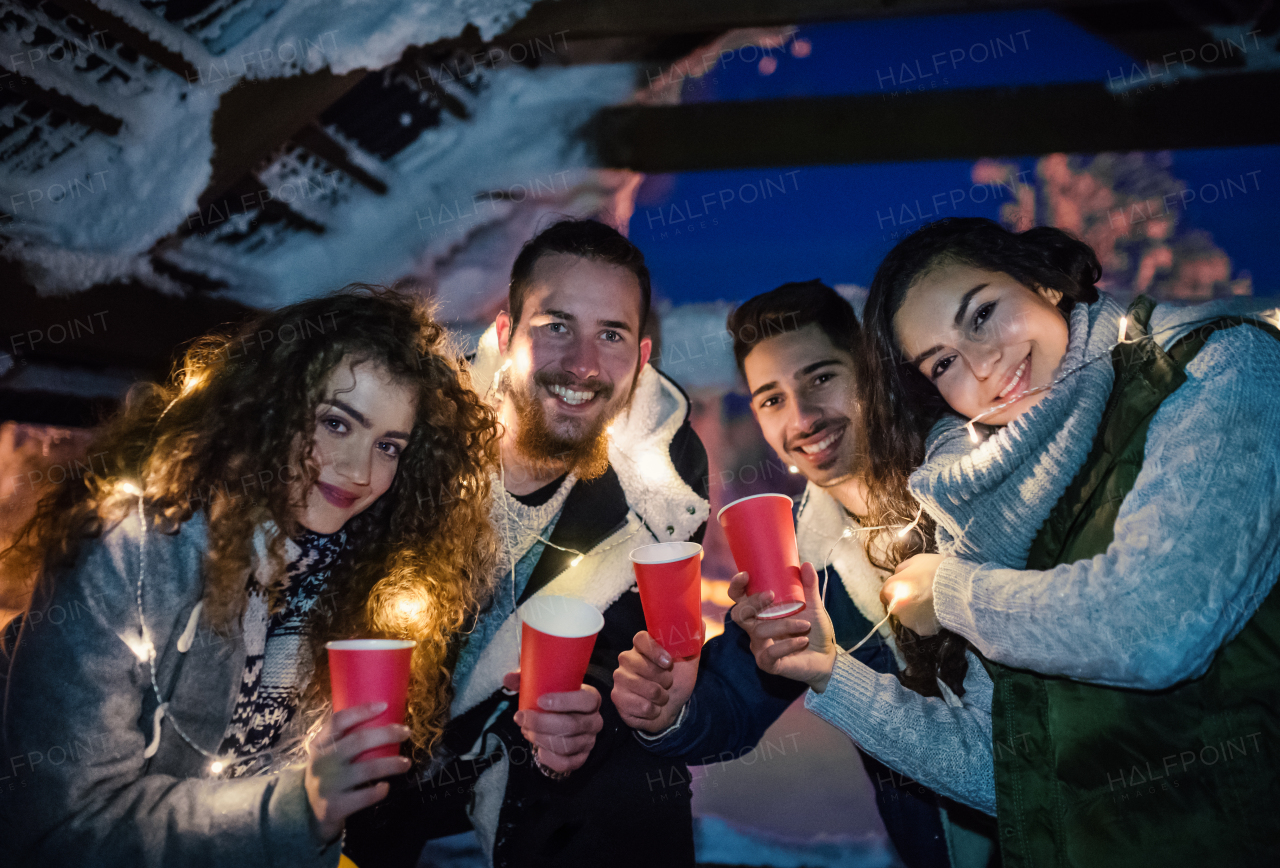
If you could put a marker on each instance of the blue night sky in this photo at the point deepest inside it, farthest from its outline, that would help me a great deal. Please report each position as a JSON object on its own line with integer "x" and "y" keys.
{"x": 744, "y": 232}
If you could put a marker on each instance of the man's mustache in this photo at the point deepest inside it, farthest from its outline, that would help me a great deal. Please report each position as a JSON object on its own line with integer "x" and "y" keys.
{"x": 818, "y": 428}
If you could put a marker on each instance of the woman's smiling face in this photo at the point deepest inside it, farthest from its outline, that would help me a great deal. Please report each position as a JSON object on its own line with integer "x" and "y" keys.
{"x": 363, "y": 423}
{"x": 982, "y": 339}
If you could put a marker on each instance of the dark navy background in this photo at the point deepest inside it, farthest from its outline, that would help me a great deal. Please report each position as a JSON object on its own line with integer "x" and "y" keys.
{"x": 836, "y": 222}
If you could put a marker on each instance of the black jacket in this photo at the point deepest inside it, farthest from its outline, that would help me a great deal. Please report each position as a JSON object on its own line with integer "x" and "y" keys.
{"x": 624, "y": 807}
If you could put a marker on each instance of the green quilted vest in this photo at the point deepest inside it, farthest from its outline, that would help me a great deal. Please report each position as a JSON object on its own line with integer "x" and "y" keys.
{"x": 1090, "y": 776}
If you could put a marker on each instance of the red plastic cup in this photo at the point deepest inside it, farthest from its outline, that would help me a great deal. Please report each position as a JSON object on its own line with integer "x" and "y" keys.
{"x": 762, "y": 537}
{"x": 371, "y": 670}
{"x": 556, "y": 638}
{"x": 669, "y": 576}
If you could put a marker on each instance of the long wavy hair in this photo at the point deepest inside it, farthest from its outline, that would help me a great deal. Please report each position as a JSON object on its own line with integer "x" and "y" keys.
{"x": 230, "y": 435}
{"x": 901, "y": 405}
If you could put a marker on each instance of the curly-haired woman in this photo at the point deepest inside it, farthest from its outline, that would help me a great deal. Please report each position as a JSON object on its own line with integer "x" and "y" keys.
{"x": 320, "y": 474}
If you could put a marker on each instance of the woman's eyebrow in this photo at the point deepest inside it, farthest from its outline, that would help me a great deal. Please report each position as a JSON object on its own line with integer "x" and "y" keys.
{"x": 960, "y": 313}
{"x": 964, "y": 302}
{"x": 350, "y": 411}
{"x": 359, "y": 417}
{"x": 920, "y": 358}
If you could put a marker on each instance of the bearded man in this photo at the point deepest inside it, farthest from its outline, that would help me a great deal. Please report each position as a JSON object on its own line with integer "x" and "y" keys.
{"x": 598, "y": 458}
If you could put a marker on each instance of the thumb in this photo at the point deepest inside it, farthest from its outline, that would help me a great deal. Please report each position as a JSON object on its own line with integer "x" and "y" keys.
{"x": 809, "y": 581}
{"x": 511, "y": 681}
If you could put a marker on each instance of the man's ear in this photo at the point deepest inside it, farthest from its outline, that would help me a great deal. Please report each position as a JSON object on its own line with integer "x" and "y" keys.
{"x": 646, "y": 347}
{"x": 503, "y": 324}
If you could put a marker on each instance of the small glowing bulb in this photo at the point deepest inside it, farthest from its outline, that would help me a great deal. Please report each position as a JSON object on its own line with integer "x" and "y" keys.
{"x": 409, "y": 608}
{"x": 792, "y": 468}
{"x": 192, "y": 381}
{"x": 915, "y": 521}
{"x": 848, "y": 532}
{"x": 497, "y": 375}
{"x": 130, "y": 488}
{"x": 575, "y": 561}
{"x": 1124, "y": 327}
{"x": 899, "y": 594}
{"x": 216, "y": 767}
{"x": 609, "y": 430}
{"x": 140, "y": 646}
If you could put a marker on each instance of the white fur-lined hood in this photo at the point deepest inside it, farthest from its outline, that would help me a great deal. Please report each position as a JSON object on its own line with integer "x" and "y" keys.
{"x": 821, "y": 541}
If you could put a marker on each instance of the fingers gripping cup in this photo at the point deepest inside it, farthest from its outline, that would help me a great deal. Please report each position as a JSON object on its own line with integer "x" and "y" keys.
{"x": 557, "y": 635}
{"x": 669, "y": 576}
{"x": 762, "y": 537}
{"x": 371, "y": 670}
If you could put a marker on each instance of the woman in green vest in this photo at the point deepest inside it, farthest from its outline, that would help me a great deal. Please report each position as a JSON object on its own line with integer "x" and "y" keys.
{"x": 1106, "y": 488}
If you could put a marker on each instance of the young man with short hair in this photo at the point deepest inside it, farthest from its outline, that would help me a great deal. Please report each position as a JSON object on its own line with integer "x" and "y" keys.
{"x": 598, "y": 458}
{"x": 795, "y": 347}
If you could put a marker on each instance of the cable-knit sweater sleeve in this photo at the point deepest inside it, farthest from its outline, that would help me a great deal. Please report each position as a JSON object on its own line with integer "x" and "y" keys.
{"x": 946, "y": 747}
{"x": 1196, "y": 547}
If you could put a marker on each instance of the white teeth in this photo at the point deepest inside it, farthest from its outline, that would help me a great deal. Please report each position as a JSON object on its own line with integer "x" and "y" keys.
{"x": 1017, "y": 377}
{"x": 571, "y": 397}
{"x": 821, "y": 444}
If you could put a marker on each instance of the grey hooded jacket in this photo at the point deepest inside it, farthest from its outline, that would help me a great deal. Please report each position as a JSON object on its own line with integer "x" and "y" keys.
{"x": 80, "y": 712}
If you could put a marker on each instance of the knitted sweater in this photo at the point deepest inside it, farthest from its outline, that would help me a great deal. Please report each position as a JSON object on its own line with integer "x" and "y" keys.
{"x": 1218, "y": 436}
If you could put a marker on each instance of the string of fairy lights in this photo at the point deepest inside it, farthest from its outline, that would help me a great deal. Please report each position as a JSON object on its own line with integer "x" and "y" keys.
{"x": 145, "y": 650}
{"x": 520, "y": 526}
{"x": 1123, "y": 339}
{"x": 847, "y": 533}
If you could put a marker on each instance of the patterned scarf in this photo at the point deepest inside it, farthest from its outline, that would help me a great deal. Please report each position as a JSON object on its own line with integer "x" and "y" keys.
{"x": 522, "y": 529}
{"x": 274, "y": 671}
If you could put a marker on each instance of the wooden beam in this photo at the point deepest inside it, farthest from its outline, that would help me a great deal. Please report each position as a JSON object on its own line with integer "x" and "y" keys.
{"x": 1155, "y": 31}
{"x": 1214, "y": 111}
{"x": 595, "y": 19}
{"x": 130, "y": 36}
{"x": 89, "y": 115}
{"x": 51, "y": 408}
{"x": 123, "y": 324}
{"x": 320, "y": 143}
{"x": 255, "y": 118}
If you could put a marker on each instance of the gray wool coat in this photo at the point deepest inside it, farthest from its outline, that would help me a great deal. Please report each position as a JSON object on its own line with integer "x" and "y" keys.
{"x": 75, "y": 786}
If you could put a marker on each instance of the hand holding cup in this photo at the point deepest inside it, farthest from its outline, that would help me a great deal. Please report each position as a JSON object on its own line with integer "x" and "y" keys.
{"x": 558, "y": 714}
{"x": 335, "y": 778}
{"x": 563, "y": 729}
{"x": 799, "y": 648}
{"x": 650, "y": 687}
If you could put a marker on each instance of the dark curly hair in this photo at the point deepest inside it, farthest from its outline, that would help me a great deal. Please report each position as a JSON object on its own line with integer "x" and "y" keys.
{"x": 239, "y": 414}
{"x": 901, "y": 405}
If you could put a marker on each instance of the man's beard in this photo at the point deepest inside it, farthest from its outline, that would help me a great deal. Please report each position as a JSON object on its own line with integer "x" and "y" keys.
{"x": 585, "y": 454}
